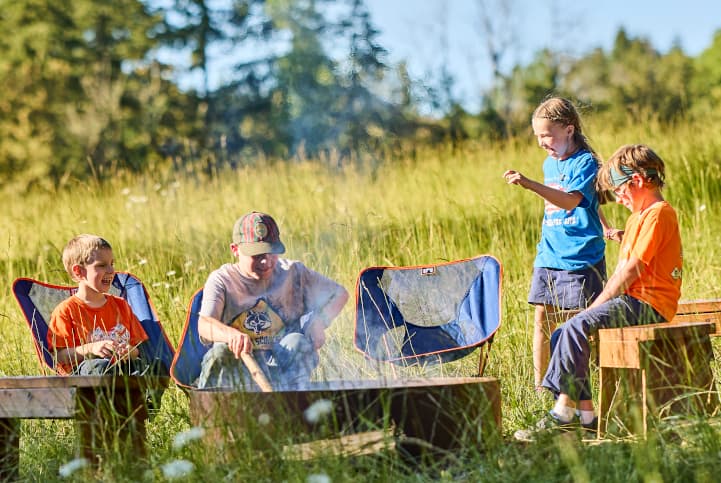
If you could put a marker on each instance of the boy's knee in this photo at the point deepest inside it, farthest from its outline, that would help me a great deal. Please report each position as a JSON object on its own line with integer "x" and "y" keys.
{"x": 297, "y": 343}
{"x": 295, "y": 350}
{"x": 93, "y": 367}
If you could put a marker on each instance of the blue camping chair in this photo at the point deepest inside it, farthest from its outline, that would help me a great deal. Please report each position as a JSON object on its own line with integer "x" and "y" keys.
{"x": 186, "y": 364}
{"x": 428, "y": 314}
{"x": 38, "y": 299}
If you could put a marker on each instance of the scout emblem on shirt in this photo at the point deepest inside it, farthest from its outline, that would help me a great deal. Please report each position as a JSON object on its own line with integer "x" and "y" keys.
{"x": 119, "y": 334}
{"x": 262, "y": 324}
{"x": 676, "y": 273}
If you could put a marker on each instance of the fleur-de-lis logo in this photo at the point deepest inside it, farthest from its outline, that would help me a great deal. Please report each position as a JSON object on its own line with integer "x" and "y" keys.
{"x": 261, "y": 231}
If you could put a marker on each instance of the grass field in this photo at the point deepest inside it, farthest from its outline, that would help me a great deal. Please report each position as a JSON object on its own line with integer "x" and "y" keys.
{"x": 171, "y": 230}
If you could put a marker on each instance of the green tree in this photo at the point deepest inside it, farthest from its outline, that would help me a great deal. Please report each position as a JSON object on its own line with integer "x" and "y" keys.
{"x": 65, "y": 109}
{"x": 706, "y": 79}
{"x": 34, "y": 65}
{"x": 305, "y": 99}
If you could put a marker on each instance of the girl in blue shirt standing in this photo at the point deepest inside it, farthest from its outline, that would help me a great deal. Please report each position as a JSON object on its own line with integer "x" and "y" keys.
{"x": 570, "y": 266}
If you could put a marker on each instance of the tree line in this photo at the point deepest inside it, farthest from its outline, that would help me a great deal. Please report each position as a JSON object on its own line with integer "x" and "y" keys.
{"x": 86, "y": 92}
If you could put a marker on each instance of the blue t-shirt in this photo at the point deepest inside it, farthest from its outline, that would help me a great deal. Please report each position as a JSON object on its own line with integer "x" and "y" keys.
{"x": 573, "y": 239}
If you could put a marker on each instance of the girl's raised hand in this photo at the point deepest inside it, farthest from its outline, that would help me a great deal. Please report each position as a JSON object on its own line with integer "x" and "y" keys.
{"x": 514, "y": 177}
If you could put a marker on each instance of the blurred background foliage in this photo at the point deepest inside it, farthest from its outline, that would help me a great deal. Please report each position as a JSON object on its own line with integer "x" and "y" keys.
{"x": 86, "y": 94}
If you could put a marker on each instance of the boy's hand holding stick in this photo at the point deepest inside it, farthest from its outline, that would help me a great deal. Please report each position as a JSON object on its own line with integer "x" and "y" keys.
{"x": 256, "y": 372}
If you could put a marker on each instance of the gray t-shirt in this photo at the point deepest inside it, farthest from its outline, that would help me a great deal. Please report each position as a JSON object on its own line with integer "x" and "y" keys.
{"x": 266, "y": 310}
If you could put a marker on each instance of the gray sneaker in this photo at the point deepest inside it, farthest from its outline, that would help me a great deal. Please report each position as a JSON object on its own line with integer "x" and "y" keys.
{"x": 548, "y": 424}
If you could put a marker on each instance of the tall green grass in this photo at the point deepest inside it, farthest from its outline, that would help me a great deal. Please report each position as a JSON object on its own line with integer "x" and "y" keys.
{"x": 439, "y": 204}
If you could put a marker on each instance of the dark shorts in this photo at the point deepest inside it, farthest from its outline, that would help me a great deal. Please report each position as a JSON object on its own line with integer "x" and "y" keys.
{"x": 565, "y": 289}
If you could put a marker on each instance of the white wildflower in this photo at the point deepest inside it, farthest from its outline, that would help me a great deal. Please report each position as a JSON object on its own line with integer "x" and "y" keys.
{"x": 318, "y": 478}
{"x": 318, "y": 410}
{"x": 125, "y": 191}
{"x": 143, "y": 261}
{"x": 185, "y": 437}
{"x": 72, "y": 466}
{"x": 170, "y": 273}
{"x": 188, "y": 263}
{"x": 177, "y": 469}
{"x": 702, "y": 208}
{"x": 264, "y": 419}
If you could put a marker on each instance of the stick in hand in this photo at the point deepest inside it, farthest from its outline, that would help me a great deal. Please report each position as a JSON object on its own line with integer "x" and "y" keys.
{"x": 256, "y": 372}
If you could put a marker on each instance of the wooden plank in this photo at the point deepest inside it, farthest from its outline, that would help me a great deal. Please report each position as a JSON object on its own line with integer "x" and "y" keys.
{"x": 663, "y": 330}
{"x": 369, "y": 442}
{"x": 619, "y": 347}
{"x": 706, "y": 310}
{"x": 618, "y": 353}
{"x": 714, "y": 317}
{"x": 698, "y": 306}
{"x": 55, "y": 402}
{"x": 44, "y": 382}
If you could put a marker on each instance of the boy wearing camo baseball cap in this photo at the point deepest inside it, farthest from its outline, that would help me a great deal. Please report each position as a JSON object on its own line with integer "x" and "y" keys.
{"x": 276, "y": 308}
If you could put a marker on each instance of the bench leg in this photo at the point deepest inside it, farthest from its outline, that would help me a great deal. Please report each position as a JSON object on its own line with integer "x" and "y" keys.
{"x": 111, "y": 420}
{"x": 621, "y": 401}
{"x": 9, "y": 449}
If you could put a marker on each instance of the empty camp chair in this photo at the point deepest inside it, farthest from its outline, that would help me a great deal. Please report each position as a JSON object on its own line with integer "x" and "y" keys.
{"x": 186, "y": 364}
{"x": 38, "y": 299}
{"x": 428, "y": 314}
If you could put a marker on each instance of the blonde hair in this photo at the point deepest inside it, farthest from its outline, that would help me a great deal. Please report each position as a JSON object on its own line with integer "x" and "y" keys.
{"x": 563, "y": 112}
{"x": 81, "y": 249}
{"x": 638, "y": 158}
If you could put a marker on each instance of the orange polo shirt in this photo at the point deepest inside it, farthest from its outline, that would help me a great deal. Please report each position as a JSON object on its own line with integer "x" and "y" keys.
{"x": 653, "y": 236}
{"x": 74, "y": 323}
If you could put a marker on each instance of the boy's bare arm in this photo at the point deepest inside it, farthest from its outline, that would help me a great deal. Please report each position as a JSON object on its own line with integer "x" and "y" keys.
{"x": 213, "y": 330}
{"x": 103, "y": 349}
{"x": 322, "y": 317}
{"x": 621, "y": 279}
{"x": 333, "y": 307}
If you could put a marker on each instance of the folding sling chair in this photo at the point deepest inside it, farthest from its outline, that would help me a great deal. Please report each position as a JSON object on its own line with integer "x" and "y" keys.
{"x": 38, "y": 299}
{"x": 428, "y": 314}
{"x": 186, "y": 363}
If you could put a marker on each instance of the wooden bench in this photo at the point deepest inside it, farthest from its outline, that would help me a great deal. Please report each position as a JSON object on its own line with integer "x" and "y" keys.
{"x": 427, "y": 414}
{"x": 104, "y": 408}
{"x": 658, "y": 368}
{"x": 700, "y": 311}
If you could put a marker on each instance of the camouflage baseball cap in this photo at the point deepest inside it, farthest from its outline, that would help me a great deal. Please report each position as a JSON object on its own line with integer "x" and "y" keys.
{"x": 257, "y": 233}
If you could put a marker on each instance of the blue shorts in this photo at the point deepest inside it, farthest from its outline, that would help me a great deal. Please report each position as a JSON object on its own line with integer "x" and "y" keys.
{"x": 567, "y": 289}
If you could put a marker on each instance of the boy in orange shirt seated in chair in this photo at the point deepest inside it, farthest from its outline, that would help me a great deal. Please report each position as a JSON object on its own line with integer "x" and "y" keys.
{"x": 93, "y": 332}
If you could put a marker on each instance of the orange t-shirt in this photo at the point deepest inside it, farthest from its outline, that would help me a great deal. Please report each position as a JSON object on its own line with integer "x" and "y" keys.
{"x": 74, "y": 323}
{"x": 653, "y": 237}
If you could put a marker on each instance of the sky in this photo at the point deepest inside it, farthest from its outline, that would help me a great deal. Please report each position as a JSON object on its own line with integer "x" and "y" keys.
{"x": 429, "y": 33}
